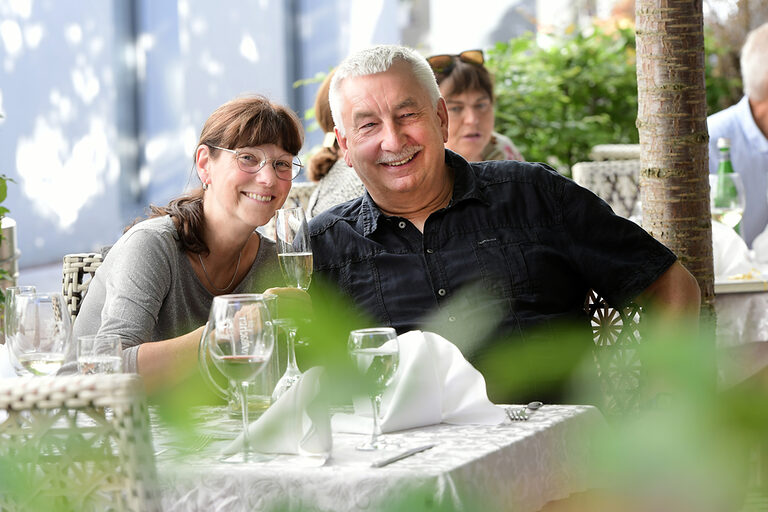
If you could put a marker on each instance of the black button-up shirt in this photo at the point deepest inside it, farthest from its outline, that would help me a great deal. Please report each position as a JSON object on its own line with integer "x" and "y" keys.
{"x": 518, "y": 246}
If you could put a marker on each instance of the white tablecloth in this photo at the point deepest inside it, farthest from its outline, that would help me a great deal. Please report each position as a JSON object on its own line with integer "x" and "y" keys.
{"x": 513, "y": 466}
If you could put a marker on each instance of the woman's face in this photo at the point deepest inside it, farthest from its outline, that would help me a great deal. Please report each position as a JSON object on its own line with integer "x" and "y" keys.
{"x": 235, "y": 197}
{"x": 470, "y": 123}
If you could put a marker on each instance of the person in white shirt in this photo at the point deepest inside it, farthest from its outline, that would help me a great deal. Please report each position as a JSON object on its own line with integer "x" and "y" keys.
{"x": 745, "y": 124}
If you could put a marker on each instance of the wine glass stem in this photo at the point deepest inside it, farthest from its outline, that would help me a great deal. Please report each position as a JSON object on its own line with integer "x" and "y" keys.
{"x": 375, "y": 402}
{"x": 243, "y": 389}
{"x": 291, "y": 342}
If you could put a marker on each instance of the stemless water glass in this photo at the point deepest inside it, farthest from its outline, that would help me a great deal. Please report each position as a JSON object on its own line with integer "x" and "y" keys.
{"x": 99, "y": 353}
{"x": 375, "y": 353}
{"x": 41, "y": 341}
{"x": 294, "y": 253}
{"x": 239, "y": 339}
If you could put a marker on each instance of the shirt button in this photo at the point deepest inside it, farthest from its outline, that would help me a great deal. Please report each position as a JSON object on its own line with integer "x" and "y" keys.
{"x": 441, "y": 292}
{"x": 451, "y": 318}
{"x": 401, "y": 224}
{"x": 430, "y": 251}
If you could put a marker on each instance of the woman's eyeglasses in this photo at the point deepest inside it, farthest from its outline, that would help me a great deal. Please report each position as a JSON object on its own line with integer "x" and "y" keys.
{"x": 254, "y": 160}
{"x": 443, "y": 64}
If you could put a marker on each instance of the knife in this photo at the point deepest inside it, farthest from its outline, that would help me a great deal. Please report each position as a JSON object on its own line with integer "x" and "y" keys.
{"x": 400, "y": 456}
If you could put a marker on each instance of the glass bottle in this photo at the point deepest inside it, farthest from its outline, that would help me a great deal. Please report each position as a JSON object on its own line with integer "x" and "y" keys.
{"x": 727, "y": 201}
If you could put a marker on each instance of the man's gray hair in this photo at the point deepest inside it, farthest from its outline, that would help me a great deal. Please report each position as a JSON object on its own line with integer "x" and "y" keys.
{"x": 754, "y": 64}
{"x": 378, "y": 59}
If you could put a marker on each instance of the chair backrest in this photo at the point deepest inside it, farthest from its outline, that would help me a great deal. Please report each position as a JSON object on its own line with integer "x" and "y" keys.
{"x": 76, "y": 442}
{"x": 614, "y": 181}
{"x": 616, "y": 333}
{"x": 74, "y": 284}
{"x": 615, "y": 152}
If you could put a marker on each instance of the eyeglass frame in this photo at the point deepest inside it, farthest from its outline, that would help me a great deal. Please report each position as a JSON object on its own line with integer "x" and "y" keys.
{"x": 295, "y": 162}
{"x": 463, "y": 56}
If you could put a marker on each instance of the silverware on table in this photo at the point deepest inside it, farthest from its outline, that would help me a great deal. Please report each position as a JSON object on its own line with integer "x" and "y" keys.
{"x": 521, "y": 413}
{"x": 400, "y": 456}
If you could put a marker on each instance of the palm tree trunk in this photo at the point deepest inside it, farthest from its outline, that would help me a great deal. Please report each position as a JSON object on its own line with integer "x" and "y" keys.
{"x": 672, "y": 124}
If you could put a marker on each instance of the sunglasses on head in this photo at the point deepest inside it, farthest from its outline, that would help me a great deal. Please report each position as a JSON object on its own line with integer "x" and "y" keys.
{"x": 444, "y": 63}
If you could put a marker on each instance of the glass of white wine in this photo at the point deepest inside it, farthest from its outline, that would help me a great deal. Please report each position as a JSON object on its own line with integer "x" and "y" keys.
{"x": 42, "y": 340}
{"x": 9, "y": 323}
{"x": 239, "y": 339}
{"x": 294, "y": 253}
{"x": 726, "y": 199}
{"x": 375, "y": 353}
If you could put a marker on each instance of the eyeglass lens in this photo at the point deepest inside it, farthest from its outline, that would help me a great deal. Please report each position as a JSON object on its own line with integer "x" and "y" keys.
{"x": 254, "y": 160}
{"x": 444, "y": 63}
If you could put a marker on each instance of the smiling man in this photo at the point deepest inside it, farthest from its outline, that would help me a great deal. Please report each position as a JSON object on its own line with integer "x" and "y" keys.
{"x": 472, "y": 251}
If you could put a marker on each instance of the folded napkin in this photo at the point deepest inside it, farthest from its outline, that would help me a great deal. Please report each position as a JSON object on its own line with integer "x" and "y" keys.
{"x": 297, "y": 423}
{"x": 433, "y": 384}
{"x": 730, "y": 253}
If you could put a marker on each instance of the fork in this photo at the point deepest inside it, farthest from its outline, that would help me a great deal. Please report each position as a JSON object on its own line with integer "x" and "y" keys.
{"x": 521, "y": 413}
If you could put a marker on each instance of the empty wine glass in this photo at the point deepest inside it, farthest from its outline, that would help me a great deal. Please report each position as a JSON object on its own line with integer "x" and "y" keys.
{"x": 42, "y": 332}
{"x": 239, "y": 339}
{"x": 294, "y": 252}
{"x": 376, "y": 353}
{"x": 726, "y": 199}
{"x": 9, "y": 323}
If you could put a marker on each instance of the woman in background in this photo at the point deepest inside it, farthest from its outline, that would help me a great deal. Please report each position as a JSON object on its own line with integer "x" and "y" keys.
{"x": 467, "y": 87}
{"x": 337, "y": 182}
{"x": 157, "y": 283}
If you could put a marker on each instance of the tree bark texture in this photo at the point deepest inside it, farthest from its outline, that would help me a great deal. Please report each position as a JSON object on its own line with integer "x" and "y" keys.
{"x": 672, "y": 124}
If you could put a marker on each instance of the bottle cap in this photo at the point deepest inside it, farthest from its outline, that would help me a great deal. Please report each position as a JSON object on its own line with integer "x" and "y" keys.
{"x": 723, "y": 143}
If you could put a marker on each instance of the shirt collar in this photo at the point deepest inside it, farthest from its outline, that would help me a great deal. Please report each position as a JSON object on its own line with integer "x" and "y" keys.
{"x": 756, "y": 138}
{"x": 465, "y": 187}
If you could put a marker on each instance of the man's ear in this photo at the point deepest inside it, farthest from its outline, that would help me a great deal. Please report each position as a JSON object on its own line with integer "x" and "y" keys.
{"x": 342, "y": 140}
{"x": 442, "y": 114}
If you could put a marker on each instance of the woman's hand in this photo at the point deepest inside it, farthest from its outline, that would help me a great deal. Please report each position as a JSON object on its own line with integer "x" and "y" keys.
{"x": 292, "y": 302}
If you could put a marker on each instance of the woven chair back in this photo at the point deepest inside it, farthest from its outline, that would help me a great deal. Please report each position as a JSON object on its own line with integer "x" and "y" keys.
{"x": 78, "y": 270}
{"x": 76, "y": 442}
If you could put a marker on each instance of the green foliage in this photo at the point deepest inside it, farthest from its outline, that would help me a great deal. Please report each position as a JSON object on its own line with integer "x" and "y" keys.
{"x": 556, "y": 103}
{"x": 723, "y": 87}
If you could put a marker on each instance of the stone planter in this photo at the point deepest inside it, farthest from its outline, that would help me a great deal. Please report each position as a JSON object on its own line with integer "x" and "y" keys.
{"x": 9, "y": 261}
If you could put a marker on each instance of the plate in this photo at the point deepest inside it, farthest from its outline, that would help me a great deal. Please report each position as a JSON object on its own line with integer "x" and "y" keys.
{"x": 740, "y": 286}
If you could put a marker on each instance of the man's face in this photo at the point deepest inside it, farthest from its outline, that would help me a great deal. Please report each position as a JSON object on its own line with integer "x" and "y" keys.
{"x": 394, "y": 136}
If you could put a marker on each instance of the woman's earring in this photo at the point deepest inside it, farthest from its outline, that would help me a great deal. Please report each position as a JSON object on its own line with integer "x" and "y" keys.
{"x": 205, "y": 186}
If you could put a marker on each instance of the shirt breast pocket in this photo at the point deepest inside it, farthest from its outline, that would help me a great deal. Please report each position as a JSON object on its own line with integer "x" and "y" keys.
{"x": 503, "y": 268}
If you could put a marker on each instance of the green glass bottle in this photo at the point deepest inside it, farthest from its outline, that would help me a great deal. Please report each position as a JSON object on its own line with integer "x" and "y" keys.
{"x": 727, "y": 204}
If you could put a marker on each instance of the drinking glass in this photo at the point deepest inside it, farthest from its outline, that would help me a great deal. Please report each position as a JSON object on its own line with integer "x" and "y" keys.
{"x": 375, "y": 353}
{"x": 726, "y": 199}
{"x": 239, "y": 339}
{"x": 9, "y": 323}
{"x": 41, "y": 341}
{"x": 294, "y": 253}
{"x": 99, "y": 353}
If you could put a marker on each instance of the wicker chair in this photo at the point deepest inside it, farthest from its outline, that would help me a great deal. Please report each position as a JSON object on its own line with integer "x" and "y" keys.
{"x": 615, "y": 152}
{"x": 75, "y": 443}
{"x": 616, "y": 335}
{"x": 614, "y": 181}
{"x": 74, "y": 284}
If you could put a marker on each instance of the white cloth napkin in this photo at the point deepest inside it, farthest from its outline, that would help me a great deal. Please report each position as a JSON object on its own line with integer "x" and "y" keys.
{"x": 298, "y": 423}
{"x": 433, "y": 384}
{"x": 730, "y": 253}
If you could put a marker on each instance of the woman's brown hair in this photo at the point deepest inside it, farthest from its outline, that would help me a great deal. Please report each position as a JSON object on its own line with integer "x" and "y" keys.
{"x": 322, "y": 161}
{"x": 242, "y": 122}
{"x": 465, "y": 76}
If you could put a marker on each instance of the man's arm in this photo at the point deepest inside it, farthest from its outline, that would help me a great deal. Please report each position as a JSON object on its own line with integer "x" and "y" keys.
{"x": 675, "y": 294}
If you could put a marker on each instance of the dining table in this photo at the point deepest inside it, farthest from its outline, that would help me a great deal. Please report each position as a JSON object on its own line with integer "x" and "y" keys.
{"x": 514, "y": 465}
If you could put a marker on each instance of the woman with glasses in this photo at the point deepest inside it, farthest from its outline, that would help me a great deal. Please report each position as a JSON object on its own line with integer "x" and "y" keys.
{"x": 157, "y": 283}
{"x": 467, "y": 87}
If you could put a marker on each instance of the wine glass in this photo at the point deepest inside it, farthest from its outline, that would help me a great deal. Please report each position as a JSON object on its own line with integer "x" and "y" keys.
{"x": 9, "y": 323}
{"x": 239, "y": 339}
{"x": 376, "y": 353}
{"x": 726, "y": 199}
{"x": 294, "y": 254}
{"x": 42, "y": 332}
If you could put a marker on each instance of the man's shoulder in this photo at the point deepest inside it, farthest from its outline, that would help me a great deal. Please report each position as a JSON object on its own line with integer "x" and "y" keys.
{"x": 721, "y": 123}
{"x": 513, "y": 173}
